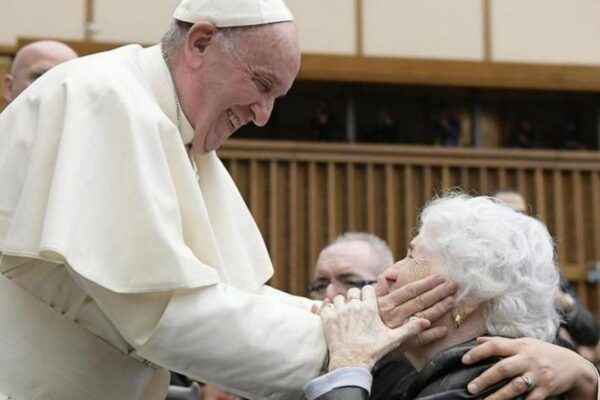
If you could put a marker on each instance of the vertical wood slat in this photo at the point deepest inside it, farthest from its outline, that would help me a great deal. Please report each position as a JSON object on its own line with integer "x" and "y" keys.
{"x": 409, "y": 219}
{"x": 296, "y": 275}
{"x": 314, "y": 223}
{"x": 521, "y": 184}
{"x": 579, "y": 229}
{"x": 89, "y": 19}
{"x": 274, "y": 219}
{"x": 427, "y": 183}
{"x": 350, "y": 197}
{"x": 391, "y": 204}
{"x": 234, "y": 170}
{"x": 483, "y": 183}
{"x": 595, "y": 187}
{"x": 446, "y": 180}
{"x": 371, "y": 204}
{"x": 358, "y": 4}
{"x": 502, "y": 181}
{"x": 464, "y": 179}
{"x": 596, "y": 213}
{"x": 254, "y": 190}
{"x": 540, "y": 196}
{"x": 332, "y": 227}
{"x": 559, "y": 228}
{"x": 580, "y": 242}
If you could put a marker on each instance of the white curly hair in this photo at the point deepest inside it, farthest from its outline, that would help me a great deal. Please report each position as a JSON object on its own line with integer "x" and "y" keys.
{"x": 501, "y": 259}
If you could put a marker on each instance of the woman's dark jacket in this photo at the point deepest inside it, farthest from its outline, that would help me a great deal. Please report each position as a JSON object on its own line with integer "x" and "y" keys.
{"x": 444, "y": 377}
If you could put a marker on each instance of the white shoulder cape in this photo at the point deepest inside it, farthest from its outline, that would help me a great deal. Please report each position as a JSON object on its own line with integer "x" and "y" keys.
{"x": 94, "y": 173}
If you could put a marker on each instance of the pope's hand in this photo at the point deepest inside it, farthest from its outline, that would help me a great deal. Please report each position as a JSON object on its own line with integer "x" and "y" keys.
{"x": 356, "y": 335}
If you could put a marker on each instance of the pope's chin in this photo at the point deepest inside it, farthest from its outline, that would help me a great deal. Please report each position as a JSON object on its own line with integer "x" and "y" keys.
{"x": 210, "y": 141}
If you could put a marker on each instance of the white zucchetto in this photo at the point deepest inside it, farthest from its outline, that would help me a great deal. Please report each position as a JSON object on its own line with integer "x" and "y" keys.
{"x": 233, "y": 13}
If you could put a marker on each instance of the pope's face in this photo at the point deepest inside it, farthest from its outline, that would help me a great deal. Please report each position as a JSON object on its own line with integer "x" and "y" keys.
{"x": 418, "y": 264}
{"x": 240, "y": 85}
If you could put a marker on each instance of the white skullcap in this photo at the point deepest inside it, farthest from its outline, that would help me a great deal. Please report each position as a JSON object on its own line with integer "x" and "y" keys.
{"x": 231, "y": 13}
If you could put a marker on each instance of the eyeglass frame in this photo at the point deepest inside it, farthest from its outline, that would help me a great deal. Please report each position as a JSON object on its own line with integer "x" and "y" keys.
{"x": 312, "y": 289}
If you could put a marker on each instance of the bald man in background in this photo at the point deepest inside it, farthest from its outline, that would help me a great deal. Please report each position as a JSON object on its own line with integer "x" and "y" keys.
{"x": 353, "y": 259}
{"x": 31, "y": 62}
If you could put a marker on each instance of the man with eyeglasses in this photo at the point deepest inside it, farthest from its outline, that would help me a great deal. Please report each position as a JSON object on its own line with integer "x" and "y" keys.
{"x": 353, "y": 259}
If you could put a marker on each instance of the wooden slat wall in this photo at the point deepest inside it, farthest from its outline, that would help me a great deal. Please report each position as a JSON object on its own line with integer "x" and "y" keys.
{"x": 303, "y": 195}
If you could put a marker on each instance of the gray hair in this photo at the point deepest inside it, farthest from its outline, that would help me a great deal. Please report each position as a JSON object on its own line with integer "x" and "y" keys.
{"x": 501, "y": 259}
{"x": 383, "y": 257}
{"x": 228, "y": 38}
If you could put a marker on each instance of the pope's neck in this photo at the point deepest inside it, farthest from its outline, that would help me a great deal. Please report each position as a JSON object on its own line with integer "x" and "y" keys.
{"x": 472, "y": 327}
{"x": 176, "y": 67}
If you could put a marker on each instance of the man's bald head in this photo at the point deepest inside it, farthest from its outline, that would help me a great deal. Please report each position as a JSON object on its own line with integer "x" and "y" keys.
{"x": 354, "y": 257}
{"x": 512, "y": 199}
{"x": 31, "y": 62}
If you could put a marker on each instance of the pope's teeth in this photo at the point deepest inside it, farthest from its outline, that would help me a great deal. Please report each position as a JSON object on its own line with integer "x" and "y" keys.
{"x": 233, "y": 118}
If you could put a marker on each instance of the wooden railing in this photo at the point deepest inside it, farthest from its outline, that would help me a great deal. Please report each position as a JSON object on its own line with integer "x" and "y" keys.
{"x": 302, "y": 195}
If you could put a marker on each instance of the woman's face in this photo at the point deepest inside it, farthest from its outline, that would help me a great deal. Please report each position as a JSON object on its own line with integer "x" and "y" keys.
{"x": 418, "y": 264}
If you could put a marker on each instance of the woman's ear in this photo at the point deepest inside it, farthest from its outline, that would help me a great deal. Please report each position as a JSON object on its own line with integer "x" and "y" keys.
{"x": 197, "y": 41}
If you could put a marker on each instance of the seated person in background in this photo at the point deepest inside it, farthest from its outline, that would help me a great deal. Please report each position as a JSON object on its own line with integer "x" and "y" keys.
{"x": 503, "y": 263}
{"x": 353, "y": 259}
{"x": 31, "y": 62}
{"x": 356, "y": 259}
{"x": 578, "y": 325}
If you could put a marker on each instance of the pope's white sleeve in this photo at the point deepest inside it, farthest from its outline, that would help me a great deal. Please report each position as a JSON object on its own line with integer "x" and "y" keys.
{"x": 247, "y": 343}
{"x": 286, "y": 298}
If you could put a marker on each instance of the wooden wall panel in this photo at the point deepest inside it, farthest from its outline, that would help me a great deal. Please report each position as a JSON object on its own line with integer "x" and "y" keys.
{"x": 303, "y": 195}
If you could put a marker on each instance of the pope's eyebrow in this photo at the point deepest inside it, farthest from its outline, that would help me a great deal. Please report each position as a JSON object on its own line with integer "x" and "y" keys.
{"x": 265, "y": 76}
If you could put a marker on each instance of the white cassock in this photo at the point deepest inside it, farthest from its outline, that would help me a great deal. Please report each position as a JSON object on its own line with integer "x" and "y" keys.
{"x": 116, "y": 263}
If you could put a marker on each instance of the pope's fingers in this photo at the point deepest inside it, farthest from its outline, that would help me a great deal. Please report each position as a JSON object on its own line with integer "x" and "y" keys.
{"x": 315, "y": 308}
{"x": 369, "y": 296}
{"x": 353, "y": 293}
{"x": 339, "y": 302}
{"x": 326, "y": 311}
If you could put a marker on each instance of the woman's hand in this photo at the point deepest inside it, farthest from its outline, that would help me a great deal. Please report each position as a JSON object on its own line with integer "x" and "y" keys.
{"x": 552, "y": 370}
{"x": 429, "y": 298}
{"x": 356, "y": 335}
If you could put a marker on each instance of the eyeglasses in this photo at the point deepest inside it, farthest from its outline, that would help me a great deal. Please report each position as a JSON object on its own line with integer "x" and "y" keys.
{"x": 319, "y": 287}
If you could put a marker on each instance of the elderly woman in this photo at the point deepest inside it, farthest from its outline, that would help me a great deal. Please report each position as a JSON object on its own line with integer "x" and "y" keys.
{"x": 503, "y": 263}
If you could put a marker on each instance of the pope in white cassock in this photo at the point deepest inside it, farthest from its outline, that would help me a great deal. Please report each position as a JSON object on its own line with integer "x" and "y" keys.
{"x": 120, "y": 256}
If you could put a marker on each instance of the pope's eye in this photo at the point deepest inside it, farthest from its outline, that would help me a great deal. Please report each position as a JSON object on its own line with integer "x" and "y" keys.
{"x": 262, "y": 85}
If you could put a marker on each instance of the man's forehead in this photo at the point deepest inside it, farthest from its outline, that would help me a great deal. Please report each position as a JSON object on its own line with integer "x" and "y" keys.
{"x": 352, "y": 257}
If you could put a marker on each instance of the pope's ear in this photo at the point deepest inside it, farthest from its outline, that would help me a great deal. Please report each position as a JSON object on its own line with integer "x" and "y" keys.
{"x": 197, "y": 40}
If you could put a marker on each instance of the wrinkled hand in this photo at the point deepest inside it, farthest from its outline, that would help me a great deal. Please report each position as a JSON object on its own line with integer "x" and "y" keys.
{"x": 429, "y": 298}
{"x": 553, "y": 369}
{"x": 356, "y": 335}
